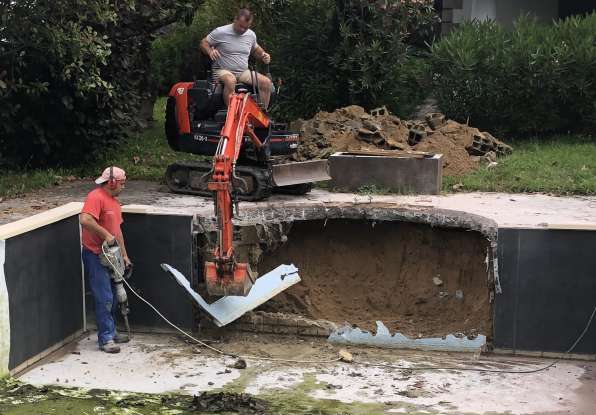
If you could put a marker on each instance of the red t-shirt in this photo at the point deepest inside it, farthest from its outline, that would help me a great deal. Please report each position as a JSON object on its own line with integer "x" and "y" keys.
{"x": 107, "y": 212}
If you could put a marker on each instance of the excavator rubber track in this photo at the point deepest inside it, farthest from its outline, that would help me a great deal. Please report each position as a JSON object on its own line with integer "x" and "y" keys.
{"x": 185, "y": 177}
{"x": 188, "y": 177}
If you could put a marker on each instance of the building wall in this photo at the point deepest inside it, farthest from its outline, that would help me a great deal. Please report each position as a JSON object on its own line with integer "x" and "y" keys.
{"x": 576, "y": 7}
{"x": 544, "y": 10}
{"x": 503, "y": 11}
{"x": 480, "y": 9}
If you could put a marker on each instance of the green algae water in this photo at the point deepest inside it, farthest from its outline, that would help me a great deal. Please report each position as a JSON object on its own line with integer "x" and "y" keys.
{"x": 17, "y": 398}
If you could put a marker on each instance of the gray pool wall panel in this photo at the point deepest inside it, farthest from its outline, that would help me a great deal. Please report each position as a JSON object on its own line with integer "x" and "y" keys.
{"x": 150, "y": 241}
{"x": 43, "y": 278}
{"x": 548, "y": 278}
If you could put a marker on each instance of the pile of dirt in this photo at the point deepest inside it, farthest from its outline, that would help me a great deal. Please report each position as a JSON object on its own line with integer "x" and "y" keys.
{"x": 416, "y": 279}
{"x": 352, "y": 128}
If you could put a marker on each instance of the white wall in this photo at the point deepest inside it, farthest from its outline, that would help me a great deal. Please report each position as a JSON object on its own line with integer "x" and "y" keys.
{"x": 545, "y": 10}
{"x": 480, "y": 9}
{"x": 506, "y": 11}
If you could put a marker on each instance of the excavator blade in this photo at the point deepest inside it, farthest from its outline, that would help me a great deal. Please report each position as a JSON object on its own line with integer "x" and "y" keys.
{"x": 300, "y": 172}
{"x": 237, "y": 283}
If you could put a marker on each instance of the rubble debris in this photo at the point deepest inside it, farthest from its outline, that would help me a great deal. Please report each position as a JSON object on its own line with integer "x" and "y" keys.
{"x": 464, "y": 148}
{"x": 345, "y": 356}
{"x": 238, "y": 364}
{"x": 435, "y": 120}
{"x": 241, "y": 403}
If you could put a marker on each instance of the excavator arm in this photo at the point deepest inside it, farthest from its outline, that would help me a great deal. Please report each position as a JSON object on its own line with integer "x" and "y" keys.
{"x": 224, "y": 276}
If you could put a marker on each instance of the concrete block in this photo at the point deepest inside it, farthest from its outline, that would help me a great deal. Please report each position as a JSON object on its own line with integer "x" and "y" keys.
{"x": 435, "y": 120}
{"x": 397, "y": 172}
{"x": 416, "y": 135}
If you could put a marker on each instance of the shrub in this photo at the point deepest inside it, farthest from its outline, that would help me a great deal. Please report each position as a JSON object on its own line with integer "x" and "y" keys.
{"x": 410, "y": 85}
{"x": 72, "y": 75}
{"x": 533, "y": 79}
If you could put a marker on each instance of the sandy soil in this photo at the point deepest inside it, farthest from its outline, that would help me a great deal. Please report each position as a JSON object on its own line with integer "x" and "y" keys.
{"x": 416, "y": 279}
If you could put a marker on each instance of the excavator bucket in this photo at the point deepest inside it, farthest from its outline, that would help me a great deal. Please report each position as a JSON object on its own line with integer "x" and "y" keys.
{"x": 227, "y": 309}
{"x": 301, "y": 172}
{"x": 238, "y": 282}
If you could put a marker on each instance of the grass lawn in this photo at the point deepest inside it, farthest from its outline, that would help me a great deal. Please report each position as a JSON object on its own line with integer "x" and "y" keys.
{"x": 143, "y": 156}
{"x": 562, "y": 165}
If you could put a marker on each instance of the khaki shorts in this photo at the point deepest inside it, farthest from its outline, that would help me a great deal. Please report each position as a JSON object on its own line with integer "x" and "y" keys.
{"x": 243, "y": 78}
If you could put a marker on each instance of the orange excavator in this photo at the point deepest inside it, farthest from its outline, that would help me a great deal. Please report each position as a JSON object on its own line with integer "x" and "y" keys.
{"x": 249, "y": 163}
{"x": 225, "y": 275}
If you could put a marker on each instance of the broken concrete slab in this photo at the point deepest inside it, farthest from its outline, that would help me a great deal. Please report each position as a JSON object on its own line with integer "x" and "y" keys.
{"x": 383, "y": 338}
{"x": 227, "y": 309}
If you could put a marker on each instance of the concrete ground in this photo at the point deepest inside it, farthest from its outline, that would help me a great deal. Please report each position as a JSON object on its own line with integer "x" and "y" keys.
{"x": 507, "y": 210}
{"x": 155, "y": 363}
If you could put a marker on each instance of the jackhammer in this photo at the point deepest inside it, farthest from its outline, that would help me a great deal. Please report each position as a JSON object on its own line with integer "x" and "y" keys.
{"x": 111, "y": 257}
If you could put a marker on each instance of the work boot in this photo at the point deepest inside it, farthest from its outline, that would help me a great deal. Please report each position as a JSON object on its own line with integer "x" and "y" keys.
{"x": 110, "y": 347}
{"x": 121, "y": 338}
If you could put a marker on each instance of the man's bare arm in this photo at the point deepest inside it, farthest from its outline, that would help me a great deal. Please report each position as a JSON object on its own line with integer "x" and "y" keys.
{"x": 260, "y": 53}
{"x": 88, "y": 222}
{"x": 208, "y": 50}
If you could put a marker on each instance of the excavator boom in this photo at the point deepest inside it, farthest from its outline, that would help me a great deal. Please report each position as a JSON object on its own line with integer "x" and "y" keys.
{"x": 225, "y": 276}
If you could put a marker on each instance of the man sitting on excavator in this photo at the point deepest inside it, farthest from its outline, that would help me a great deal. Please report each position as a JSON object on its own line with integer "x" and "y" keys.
{"x": 229, "y": 47}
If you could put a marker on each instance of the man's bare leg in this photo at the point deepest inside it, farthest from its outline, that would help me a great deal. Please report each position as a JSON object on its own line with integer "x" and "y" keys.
{"x": 229, "y": 85}
{"x": 265, "y": 86}
{"x": 264, "y": 89}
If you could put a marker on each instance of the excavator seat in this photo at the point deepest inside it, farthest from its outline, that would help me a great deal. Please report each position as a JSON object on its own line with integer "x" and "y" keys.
{"x": 207, "y": 100}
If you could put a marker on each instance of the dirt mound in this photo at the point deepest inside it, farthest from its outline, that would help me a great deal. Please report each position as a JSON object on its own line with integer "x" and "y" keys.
{"x": 352, "y": 128}
{"x": 415, "y": 278}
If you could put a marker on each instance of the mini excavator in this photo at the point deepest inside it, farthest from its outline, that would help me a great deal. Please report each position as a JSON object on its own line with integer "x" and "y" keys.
{"x": 248, "y": 151}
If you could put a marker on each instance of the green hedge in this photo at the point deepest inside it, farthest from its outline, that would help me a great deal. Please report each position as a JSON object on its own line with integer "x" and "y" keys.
{"x": 532, "y": 79}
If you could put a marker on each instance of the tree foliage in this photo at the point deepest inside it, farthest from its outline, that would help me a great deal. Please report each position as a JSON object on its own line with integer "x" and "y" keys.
{"x": 73, "y": 73}
{"x": 374, "y": 38}
{"x": 329, "y": 53}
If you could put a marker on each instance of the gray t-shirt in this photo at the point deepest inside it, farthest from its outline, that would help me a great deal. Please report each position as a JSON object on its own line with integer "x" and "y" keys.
{"x": 233, "y": 48}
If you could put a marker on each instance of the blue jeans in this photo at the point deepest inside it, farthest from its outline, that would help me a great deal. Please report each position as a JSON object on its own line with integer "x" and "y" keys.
{"x": 106, "y": 303}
